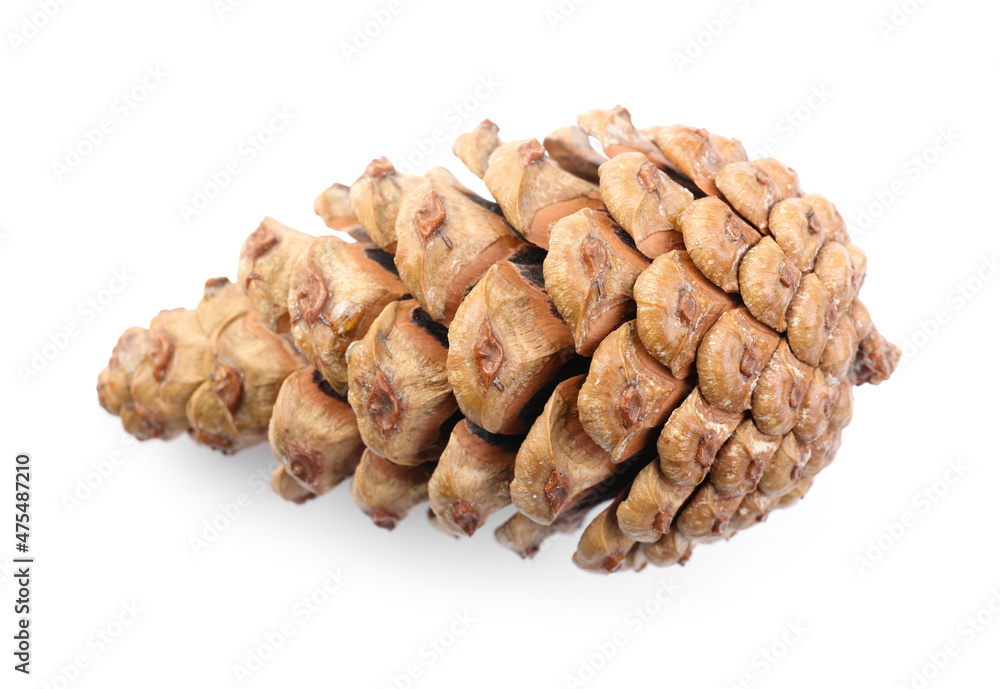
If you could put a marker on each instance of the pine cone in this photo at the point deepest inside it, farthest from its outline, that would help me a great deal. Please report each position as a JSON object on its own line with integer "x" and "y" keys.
{"x": 214, "y": 371}
{"x": 664, "y": 324}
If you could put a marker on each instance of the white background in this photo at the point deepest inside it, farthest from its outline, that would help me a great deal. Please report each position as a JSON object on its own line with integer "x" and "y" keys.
{"x": 889, "y": 91}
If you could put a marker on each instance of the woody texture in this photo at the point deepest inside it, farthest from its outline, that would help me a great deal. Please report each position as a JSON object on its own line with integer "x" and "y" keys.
{"x": 638, "y": 334}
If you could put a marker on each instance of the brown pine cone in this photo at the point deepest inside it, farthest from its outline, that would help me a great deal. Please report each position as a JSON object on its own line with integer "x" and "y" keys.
{"x": 667, "y": 325}
{"x": 214, "y": 372}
